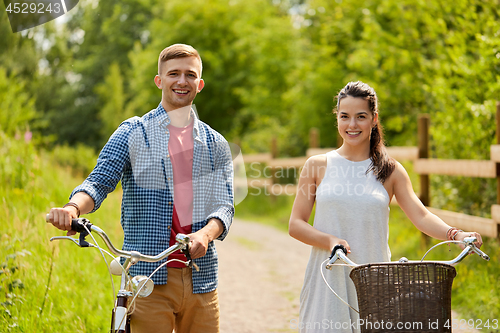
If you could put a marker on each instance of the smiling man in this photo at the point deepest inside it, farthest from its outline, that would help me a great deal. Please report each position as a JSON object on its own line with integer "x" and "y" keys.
{"x": 179, "y": 78}
{"x": 177, "y": 177}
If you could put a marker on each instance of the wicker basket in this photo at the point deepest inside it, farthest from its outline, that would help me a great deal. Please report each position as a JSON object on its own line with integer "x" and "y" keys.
{"x": 404, "y": 297}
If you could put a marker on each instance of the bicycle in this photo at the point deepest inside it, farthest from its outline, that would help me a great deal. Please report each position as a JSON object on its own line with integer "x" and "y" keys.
{"x": 130, "y": 288}
{"x": 401, "y": 292}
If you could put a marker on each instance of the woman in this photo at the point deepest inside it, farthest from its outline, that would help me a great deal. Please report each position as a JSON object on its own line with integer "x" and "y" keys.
{"x": 352, "y": 187}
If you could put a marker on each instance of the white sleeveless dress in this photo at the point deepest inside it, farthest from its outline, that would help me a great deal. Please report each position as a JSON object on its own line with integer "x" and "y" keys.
{"x": 354, "y": 206}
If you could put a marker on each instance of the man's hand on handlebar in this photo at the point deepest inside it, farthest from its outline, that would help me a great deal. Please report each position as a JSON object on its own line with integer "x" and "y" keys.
{"x": 198, "y": 244}
{"x": 200, "y": 239}
{"x": 61, "y": 218}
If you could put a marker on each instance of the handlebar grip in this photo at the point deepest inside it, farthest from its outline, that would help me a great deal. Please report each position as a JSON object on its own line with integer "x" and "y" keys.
{"x": 481, "y": 254}
{"x": 79, "y": 225}
{"x": 338, "y": 247}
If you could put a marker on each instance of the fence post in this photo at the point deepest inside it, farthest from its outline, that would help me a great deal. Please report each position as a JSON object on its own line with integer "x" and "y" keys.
{"x": 423, "y": 152}
{"x": 498, "y": 164}
{"x": 498, "y": 142}
{"x": 314, "y": 137}
{"x": 274, "y": 147}
{"x": 274, "y": 154}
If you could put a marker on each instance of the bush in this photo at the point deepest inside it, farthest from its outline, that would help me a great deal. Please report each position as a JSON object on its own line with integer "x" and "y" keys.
{"x": 79, "y": 159}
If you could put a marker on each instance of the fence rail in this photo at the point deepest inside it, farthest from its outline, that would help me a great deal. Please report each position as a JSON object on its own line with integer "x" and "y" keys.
{"x": 422, "y": 166}
{"x": 465, "y": 168}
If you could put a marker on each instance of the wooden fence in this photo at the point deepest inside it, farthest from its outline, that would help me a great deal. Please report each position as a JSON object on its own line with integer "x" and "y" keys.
{"x": 423, "y": 166}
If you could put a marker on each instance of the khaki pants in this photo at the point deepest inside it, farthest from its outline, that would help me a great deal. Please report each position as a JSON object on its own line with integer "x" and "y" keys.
{"x": 174, "y": 306}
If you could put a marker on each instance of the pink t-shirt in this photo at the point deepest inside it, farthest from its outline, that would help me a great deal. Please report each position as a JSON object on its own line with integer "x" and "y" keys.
{"x": 180, "y": 149}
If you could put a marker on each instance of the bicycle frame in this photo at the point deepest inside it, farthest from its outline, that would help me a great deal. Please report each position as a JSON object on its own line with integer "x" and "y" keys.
{"x": 119, "y": 321}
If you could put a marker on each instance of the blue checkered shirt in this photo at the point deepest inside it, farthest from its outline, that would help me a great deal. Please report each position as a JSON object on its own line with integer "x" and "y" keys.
{"x": 137, "y": 154}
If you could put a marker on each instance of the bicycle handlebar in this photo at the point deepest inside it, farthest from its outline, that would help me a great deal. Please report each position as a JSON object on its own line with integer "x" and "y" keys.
{"x": 81, "y": 226}
{"x": 339, "y": 252}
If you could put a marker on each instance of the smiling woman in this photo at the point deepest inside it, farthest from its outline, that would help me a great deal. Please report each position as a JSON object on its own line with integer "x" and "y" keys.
{"x": 355, "y": 124}
{"x": 352, "y": 208}
{"x": 360, "y": 103}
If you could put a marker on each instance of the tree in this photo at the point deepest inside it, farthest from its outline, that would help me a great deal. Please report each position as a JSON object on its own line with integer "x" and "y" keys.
{"x": 16, "y": 105}
{"x": 98, "y": 35}
{"x": 247, "y": 51}
{"x": 113, "y": 112}
{"x": 421, "y": 57}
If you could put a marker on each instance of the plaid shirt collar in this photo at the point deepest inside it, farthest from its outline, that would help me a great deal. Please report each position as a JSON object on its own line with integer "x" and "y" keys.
{"x": 164, "y": 120}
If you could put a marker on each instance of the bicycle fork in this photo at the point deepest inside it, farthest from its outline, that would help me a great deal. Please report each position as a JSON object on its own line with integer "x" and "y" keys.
{"x": 119, "y": 319}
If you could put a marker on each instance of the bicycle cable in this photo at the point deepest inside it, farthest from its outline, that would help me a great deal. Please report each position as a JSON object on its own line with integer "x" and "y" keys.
{"x": 445, "y": 242}
{"x": 333, "y": 291}
{"x": 150, "y": 276}
{"x": 111, "y": 277}
{"x": 104, "y": 258}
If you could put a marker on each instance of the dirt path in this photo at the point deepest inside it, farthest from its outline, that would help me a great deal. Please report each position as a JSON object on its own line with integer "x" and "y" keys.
{"x": 260, "y": 276}
{"x": 261, "y": 270}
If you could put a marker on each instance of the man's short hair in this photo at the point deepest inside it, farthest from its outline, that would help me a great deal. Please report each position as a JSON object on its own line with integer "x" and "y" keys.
{"x": 177, "y": 51}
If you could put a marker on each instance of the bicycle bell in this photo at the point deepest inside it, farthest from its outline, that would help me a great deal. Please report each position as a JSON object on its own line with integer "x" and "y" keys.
{"x": 137, "y": 283}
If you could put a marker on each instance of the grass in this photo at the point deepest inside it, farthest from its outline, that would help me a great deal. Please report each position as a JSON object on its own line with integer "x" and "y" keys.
{"x": 247, "y": 243}
{"x": 475, "y": 293}
{"x": 270, "y": 210}
{"x": 47, "y": 287}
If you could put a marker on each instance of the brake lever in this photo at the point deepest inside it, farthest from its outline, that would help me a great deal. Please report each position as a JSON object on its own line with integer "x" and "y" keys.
{"x": 469, "y": 241}
{"x": 481, "y": 254}
{"x": 78, "y": 242}
{"x": 79, "y": 225}
{"x": 190, "y": 261}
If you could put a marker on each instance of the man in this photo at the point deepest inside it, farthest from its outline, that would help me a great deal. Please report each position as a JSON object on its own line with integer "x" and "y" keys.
{"x": 177, "y": 177}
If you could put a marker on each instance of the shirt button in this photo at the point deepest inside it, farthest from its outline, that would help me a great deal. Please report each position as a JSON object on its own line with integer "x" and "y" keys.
{"x": 168, "y": 156}
{"x": 168, "y": 227}
{"x": 169, "y": 178}
{"x": 169, "y": 203}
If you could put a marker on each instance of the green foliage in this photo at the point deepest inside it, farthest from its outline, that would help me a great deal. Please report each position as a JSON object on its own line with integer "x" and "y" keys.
{"x": 18, "y": 52}
{"x": 474, "y": 294}
{"x": 475, "y": 128}
{"x": 11, "y": 287}
{"x": 112, "y": 112}
{"x": 272, "y": 69}
{"x": 421, "y": 57}
{"x": 47, "y": 287}
{"x": 16, "y": 105}
{"x": 262, "y": 207}
{"x": 243, "y": 88}
{"x": 16, "y": 157}
{"x": 80, "y": 160}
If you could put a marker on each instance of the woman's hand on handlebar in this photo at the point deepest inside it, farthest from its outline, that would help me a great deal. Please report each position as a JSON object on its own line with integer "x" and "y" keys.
{"x": 338, "y": 241}
{"x": 61, "y": 218}
{"x": 461, "y": 235}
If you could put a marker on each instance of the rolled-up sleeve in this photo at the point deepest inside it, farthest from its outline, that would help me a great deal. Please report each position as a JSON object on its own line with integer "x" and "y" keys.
{"x": 112, "y": 161}
{"x": 222, "y": 201}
